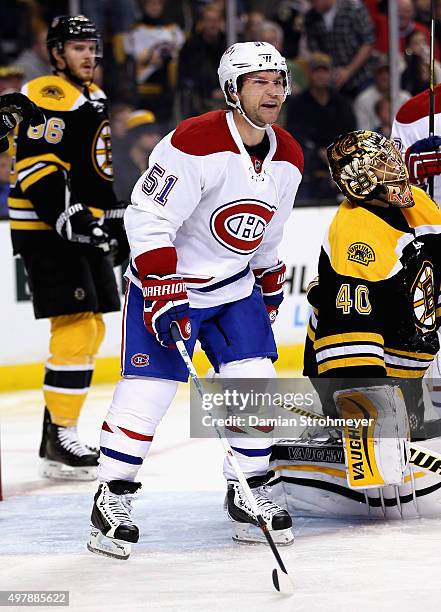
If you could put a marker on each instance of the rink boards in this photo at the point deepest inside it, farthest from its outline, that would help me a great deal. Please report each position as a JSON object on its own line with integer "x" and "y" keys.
{"x": 24, "y": 340}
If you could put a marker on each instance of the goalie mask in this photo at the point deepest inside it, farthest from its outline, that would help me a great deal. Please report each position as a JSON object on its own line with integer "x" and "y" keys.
{"x": 367, "y": 166}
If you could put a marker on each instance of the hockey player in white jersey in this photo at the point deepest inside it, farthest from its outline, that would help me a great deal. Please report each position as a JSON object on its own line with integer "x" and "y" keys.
{"x": 422, "y": 153}
{"x": 410, "y": 132}
{"x": 204, "y": 225}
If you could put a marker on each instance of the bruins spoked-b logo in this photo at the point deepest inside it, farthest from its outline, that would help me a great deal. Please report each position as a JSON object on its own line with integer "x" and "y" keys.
{"x": 52, "y": 91}
{"x": 423, "y": 297}
{"x": 102, "y": 151}
{"x": 361, "y": 253}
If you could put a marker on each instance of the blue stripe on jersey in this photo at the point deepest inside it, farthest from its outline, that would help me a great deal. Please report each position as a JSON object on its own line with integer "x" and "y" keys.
{"x": 218, "y": 285}
{"x": 223, "y": 283}
{"x": 253, "y": 452}
{"x": 109, "y": 452}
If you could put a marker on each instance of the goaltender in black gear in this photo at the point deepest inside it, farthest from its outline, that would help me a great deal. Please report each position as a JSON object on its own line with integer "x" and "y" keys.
{"x": 376, "y": 301}
{"x": 67, "y": 225}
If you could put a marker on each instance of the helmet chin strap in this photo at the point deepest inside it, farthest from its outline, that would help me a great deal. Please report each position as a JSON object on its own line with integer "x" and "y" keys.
{"x": 248, "y": 120}
{"x": 257, "y": 127}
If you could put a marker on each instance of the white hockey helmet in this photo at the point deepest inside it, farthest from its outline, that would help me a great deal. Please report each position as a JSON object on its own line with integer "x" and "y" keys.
{"x": 242, "y": 58}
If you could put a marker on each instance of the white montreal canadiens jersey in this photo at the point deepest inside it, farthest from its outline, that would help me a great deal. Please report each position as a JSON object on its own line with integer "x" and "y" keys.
{"x": 412, "y": 124}
{"x": 201, "y": 194}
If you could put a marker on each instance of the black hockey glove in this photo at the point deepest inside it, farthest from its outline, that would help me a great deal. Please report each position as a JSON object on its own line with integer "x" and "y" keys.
{"x": 114, "y": 221}
{"x": 21, "y": 105}
{"x": 16, "y": 107}
{"x": 77, "y": 224}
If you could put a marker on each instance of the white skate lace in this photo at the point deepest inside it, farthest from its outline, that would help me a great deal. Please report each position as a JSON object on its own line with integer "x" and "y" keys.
{"x": 69, "y": 440}
{"x": 266, "y": 506}
{"x": 118, "y": 508}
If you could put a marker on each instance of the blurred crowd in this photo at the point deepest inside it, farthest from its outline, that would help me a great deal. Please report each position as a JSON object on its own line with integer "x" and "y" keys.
{"x": 161, "y": 58}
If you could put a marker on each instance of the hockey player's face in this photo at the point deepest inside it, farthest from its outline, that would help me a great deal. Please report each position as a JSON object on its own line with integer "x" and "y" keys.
{"x": 261, "y": 96}
{"x": 80, "y": 57}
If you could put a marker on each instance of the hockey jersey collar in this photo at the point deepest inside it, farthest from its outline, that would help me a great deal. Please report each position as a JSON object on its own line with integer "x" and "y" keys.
{"x": 247, "y": 162}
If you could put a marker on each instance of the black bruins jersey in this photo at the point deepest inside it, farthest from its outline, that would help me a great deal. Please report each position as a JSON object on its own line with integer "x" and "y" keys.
{"x": 376, "y": 302}
{"x": 66, "y": 161}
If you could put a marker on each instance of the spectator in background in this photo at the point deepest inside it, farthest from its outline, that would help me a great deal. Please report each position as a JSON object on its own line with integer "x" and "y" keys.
{"x": 272, "y": 33}
{"x": 15, "y": 28}
{"x": 382, "y": 112}
{"x": 143, "y": 134}
{"x": 407, "y": 26}
{"x": 118, "y": 117}
{"x": 198, "y": 62}
{"x": 154, "y": 45}
{"x": 315, "y": 118}
{"x": 422, "y": 11}
{"x": 291, "y": 20}
{"x": 345, "y": 32}
{"x": 416, "y": 75}
{"x": 253, "y": 23}
{"x": 113, "y": 18}
{"x": 5, "y": 167}
{"x": 364, "y": 103}
{"x": 118, "y": 15}
{"x": 11, "y": 78}
{"x": 35, "y": 61}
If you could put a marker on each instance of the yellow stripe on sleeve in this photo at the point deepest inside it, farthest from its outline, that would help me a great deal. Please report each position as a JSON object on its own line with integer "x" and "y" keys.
{"x": 348, "y": 337}
{"x": 399, "y": 373}
{"x": 348, "y": 362}
{"x": 48, "y": 157}
{"x": 394, "y": 351}
{"x": 36, "y": 176}
{"x": 311, "y": 333}
{"x": 20, "y": 203}
{"x": 29, "y": 225}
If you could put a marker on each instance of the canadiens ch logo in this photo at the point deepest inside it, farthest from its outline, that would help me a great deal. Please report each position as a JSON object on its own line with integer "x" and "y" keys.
{"x": 240, "y": 226}
{"x": 361, "y": 253}
{"x": 139, "y": 360}
{"x": 52, "y": 91}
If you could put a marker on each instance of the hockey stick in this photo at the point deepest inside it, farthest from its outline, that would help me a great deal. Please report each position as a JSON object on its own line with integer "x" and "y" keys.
{"x": 281, "y": 580}
{"x": 431, "y": 84}
{"x": 420, "y": 457}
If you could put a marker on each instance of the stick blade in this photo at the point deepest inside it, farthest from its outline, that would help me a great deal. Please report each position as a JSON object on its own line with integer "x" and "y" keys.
{"x": 282, "y": 582}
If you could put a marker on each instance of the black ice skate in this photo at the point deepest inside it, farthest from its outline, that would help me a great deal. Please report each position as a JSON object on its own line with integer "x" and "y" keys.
{"x": 63, "y": 455}
{"x": 113, "y": 530}
{"x": 245, "y": 526}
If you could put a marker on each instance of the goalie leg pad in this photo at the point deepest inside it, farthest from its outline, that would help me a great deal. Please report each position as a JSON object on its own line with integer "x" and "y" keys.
{"x": 374, "y": 435}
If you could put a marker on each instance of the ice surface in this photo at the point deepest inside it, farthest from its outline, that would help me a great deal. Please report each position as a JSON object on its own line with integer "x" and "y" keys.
{"x": 185, "y": 560}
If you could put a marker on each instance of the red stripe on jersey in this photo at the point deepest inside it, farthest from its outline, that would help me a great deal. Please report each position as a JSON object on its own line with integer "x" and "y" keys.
{"x": 418, "y": 106}
{"x": 194, "y": 281}
{"x": 105, "y": 427}
{"x": 204, "y": 135}
{"x": 234, "y": 429}
{"x": 288, "y": 149}
{"x": 135, "y": 435}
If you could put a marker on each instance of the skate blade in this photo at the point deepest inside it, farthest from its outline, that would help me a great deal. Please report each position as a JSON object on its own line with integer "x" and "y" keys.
{"x": 108, "y": 547}
{"x": 59, "y": 471}
{"x": 247, "y": 533}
